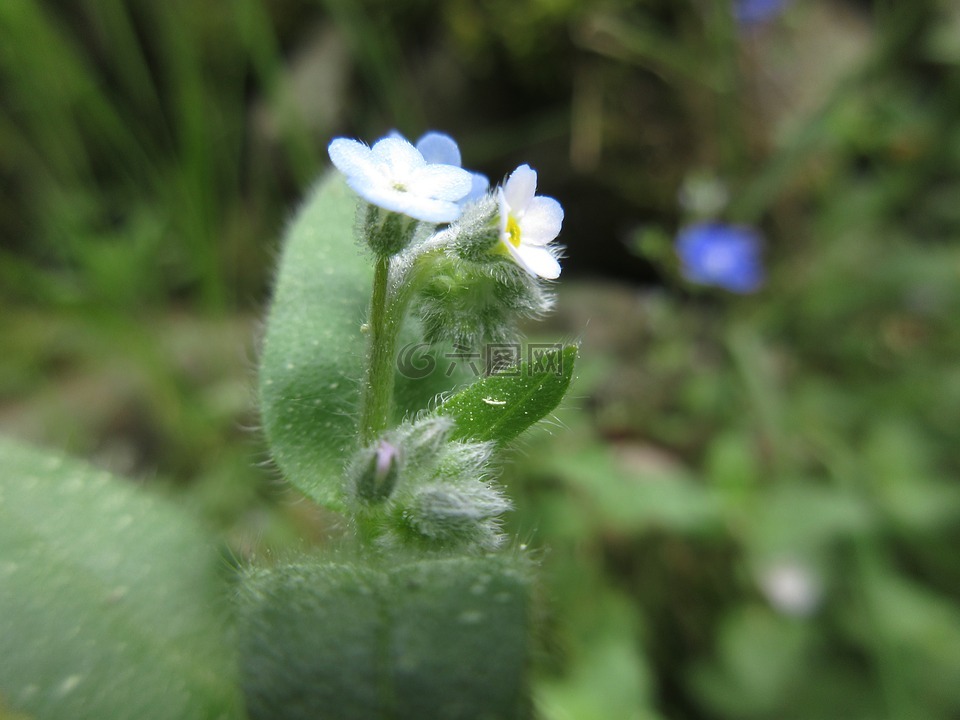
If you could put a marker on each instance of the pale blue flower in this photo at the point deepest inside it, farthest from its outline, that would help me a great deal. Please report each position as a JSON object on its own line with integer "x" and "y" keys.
{"x": 394, "y": 175}
{"x": 528, "y": 223}
{"x": 727, "y": 256}
{"x": 440, "y": 148}
{"x": 437, "y": 147}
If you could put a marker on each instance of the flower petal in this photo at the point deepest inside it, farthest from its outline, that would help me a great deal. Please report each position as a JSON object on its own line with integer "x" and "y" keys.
{"x": 749, "y": 279}
{"x": 355, "y": 160}
{"x": 439, "y": 148}
{"x": 444, "y": 182}
{"x": 400, "y": 157}
{"x": 503, "y": 213}
{"x": 537, "y": 261}
{"x": 418, "y": 207}
{"x": 479, "y": 187}
{"x": 520, "y": 188}
{"x": 542, "y": 221}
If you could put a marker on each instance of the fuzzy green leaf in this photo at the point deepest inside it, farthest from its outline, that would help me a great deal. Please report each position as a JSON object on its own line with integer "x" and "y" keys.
{"x": 444, "y": 639}
{"x": 313, "y": 350}
{"x": 502, "y": 406}
{"x": 110, "y": 599}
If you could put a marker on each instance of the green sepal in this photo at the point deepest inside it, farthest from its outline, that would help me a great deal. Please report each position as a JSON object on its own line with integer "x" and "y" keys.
{"x": 112, "y": 603}
{"x": 387, "y": 233}
{"x": 500, "y": 407}
{"x": 444, "y": 639}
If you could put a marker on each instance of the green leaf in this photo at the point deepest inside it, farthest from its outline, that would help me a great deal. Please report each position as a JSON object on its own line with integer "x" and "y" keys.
{"x": 460, "y": 638}
{"x": 437, "y": 638}
{"x": 500, "y": 407}
{"x": 309, "y": 642}
{"x": 110, "y": 599}
{"x": 313, "y": 351}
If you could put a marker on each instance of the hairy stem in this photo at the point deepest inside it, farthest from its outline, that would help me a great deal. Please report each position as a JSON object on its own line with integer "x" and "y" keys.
{"x": 378, "y": 384}
{"x": 395, "y": 282}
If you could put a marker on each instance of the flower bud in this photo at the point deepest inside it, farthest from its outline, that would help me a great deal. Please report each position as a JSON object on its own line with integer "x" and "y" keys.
{"x": 472, "y": 303}
{"x": 378, "y": 476}
{"x": 417, "y": 486}
{"x": 464, "y": 513}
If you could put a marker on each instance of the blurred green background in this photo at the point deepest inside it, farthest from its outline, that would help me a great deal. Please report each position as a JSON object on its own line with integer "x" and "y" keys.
{"x": 748, "y": 507}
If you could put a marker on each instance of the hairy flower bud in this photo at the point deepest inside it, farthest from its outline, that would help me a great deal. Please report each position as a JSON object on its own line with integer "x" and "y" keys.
{"x": 472, "y": 303}
{"x": 418, "y": 486}
{"x": 376, "y": 481}
{"x": 463, "y": 513}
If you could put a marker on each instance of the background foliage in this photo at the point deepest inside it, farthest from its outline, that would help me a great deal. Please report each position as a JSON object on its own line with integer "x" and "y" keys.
{"x": 150, "y": 154}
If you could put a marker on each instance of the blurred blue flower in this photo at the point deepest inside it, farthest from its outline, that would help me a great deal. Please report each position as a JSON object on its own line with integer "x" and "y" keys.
{"x": 753, "y": 12}
{"x": 727, "y": 256}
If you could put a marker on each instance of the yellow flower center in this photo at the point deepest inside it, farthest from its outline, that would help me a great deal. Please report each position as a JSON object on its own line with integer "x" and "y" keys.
{"x": 513, "y": 231}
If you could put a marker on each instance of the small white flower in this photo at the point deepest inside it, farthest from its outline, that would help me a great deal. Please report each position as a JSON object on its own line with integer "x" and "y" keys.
{"x": 393, "y": 174}
{"x": 792, "y": 587}
{"x": 528, "y": 223}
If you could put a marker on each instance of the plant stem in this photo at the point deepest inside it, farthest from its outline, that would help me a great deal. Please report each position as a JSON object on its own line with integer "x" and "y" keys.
{"x": 378, "y": 383}
{"x": 387, "y": 310}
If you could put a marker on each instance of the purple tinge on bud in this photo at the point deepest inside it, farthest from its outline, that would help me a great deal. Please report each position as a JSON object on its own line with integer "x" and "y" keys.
{"x": 385, "y": 461}
{"x": 377, "y": 477}
{"x": 726, "y": 256}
